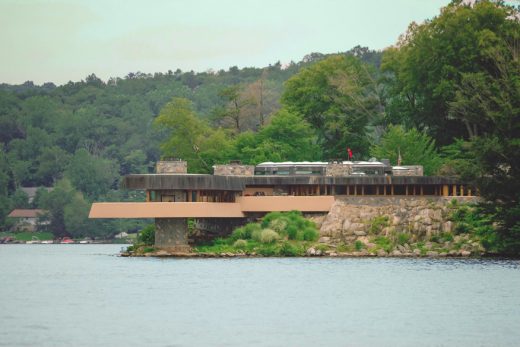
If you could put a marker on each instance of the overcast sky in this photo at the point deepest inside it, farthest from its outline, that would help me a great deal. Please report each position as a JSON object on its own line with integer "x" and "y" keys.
{"x": 62, "y": 40}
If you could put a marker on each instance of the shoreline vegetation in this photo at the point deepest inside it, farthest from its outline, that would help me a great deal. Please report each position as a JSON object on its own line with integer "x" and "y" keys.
{"x": 289, "y": 234}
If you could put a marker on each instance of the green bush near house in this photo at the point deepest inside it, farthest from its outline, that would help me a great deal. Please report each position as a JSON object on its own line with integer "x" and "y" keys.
{"x": 240, "y": 244}
{"x": 269, "y": 236}
{"x": 291, "y": 250}
{"x": 147, "y": 235}
{"x": 472, "y": 219}
{"x": 278, "y": 234}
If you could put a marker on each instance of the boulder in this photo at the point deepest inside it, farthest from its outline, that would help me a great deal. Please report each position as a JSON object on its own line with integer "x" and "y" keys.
{"x": 324, "y": 239}
{"x": 360, "y": 233}
{"x": 381, "y": 253}
{"x": 432, "y": 254}
{"x": 465, "y": 253}
{"x": 311, "y": 252}
{"x": 396, "y": 253}
{"x": 401, "y": 249}
{"x": 447, "y": 227}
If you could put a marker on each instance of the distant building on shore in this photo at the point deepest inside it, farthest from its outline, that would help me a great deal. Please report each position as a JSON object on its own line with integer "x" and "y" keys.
{"x": 27, "y": 219}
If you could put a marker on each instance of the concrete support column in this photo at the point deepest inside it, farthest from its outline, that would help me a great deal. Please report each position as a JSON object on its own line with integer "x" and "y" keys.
{"x": 172, "y": 234}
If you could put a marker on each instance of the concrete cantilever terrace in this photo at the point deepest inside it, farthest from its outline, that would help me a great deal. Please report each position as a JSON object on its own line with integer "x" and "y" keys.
{"x": 239, "y": 192}
{"x": 238, "y": 209}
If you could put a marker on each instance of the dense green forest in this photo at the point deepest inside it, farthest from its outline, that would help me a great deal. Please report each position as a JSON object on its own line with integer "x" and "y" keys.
{"x": 446, "y": 94}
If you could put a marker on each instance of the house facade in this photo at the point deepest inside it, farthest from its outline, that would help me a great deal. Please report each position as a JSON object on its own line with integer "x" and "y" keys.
{"x": 236, "y": 192}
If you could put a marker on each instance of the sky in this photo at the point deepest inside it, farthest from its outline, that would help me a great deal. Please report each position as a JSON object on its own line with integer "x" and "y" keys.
{"x": 60, "y": 41}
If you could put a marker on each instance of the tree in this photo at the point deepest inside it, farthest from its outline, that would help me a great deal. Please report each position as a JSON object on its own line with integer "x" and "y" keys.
{"x": 338, "y": 97}
{"x": 55, "y": 202}
{"x": 236, "y": 104}
{"x": 436, "y": 63}
{"x": 415, "y": 148}
{"x": 5, "y": 204}
{"x": 91, "y": 175}
{"x": 20, "y": 199}
{"x": 51, "y": 164}
{"x": 75, "y": 216}
{"x": 287, "y": 138}
{"x": 187, "y": 133}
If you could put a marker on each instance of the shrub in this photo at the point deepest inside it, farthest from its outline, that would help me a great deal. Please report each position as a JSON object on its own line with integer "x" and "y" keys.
{"x": 269, "y": 236}
{"x": 377, "y": 224}
{"x": 268, "y": 250}
{"x": 447, "y": 237}
{"x": 279, "y": 224}
{"x": 245, "y": 232}
{"x": 269, "y": 217}
{"x": 299, "y": 235}
{"x": 290, "y": 250}
{"x": 474, "y": 219}
{"x": 292, "y": 230}
{"x": 240, "y": 244}
{"x": 310, "y": 234}
{"x": 147, "y": 235}
{"x": 403, "y": 238}
{"x": 384, "y": 243}
{"x": 257, "y": 235}
{"x": 358, "y": 245}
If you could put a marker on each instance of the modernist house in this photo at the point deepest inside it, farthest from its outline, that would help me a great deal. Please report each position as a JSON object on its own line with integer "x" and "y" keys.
{"x": 237, "y": 192}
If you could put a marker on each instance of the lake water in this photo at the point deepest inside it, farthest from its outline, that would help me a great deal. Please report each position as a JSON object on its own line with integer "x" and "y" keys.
{"x": 84, "y": 295}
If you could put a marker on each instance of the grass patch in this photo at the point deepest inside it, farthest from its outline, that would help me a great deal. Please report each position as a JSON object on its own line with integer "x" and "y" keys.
{"x": 28, "y": 235}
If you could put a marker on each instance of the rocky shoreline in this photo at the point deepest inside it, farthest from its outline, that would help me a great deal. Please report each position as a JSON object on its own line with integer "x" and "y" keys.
{"x": 311, "y": 253}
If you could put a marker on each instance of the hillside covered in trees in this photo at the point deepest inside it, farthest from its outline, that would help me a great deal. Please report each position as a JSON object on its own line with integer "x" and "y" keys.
{"x": 446, "y": 94}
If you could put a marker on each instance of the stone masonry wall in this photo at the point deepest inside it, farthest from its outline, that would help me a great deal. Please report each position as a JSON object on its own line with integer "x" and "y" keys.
{"x": 234, "y": 170}
{"x": 338, "y": 169}
{"x": 351, "y": 218}
{"x": 171, "y": 233}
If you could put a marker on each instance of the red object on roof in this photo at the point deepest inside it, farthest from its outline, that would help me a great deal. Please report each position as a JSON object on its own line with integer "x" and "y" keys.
{"x": 26, "y": 213}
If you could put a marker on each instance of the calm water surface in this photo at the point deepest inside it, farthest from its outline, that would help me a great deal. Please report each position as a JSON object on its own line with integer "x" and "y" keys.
{"x": 83, "y": 295}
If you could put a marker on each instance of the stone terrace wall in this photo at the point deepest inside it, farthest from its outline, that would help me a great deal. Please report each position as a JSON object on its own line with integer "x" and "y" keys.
{"x": 350, "y": 218}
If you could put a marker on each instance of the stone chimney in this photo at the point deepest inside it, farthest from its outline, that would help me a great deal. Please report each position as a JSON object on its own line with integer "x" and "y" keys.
{"x": 171, "y": 166}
